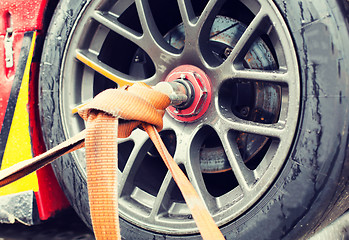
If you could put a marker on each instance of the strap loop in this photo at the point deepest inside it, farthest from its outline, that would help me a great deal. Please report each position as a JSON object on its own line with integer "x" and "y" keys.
{"x": 138, "y": 102}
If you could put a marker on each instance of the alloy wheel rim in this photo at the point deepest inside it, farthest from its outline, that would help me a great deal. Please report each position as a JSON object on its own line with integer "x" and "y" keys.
{"x": 150, "y": 199}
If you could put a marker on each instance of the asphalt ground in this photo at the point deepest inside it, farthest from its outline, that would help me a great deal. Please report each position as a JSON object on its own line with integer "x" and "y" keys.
{"x": 68, "y": 226}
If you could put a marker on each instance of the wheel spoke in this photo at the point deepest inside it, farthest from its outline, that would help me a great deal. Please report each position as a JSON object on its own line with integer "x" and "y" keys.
{"x": 162, "y": 198}
{"x": 280, "y": 77}
{"x": 152, "y": 40}
{"x": 90, "y": 59}
{"x": 276, "y": 130}
{"x": 132, "y": 164}
{"x": 262, "y": 75}
{"x": 193, "y": 168}
{"x": 192, "y": 30}
{"x": 243, "y": 175}
{"x": 147, "y": 21}
{"x": 196, "y": 179}
{"x": 252, "y": 32}
{"x": 197, "y": 29}
{"x": 187, "y": 12}
{"x": 209, "y": 14}
{"x": 76, "y": 108}
{"x": 111, "y": 22}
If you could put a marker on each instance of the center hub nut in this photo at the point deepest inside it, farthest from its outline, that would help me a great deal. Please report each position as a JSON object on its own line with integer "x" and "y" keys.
{"x": 199, "y": 93}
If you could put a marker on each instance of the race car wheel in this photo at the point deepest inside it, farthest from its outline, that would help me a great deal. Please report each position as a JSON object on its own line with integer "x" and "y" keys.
{"x": 265, "y": 145}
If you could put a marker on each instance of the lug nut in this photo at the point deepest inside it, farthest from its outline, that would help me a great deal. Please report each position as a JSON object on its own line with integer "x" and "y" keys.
{"x": 198, "y": 91}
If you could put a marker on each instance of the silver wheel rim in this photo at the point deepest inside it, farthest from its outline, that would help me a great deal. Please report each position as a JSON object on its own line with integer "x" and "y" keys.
{"x": 153, "y": 202}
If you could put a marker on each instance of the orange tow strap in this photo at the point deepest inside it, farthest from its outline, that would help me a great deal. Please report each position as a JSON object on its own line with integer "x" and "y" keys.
{"x": 143, "y": 107}
{"x": 207, "y": 227}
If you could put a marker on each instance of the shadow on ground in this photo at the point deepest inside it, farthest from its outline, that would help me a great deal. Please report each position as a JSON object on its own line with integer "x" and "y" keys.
{"x": 65, "y": 226}
{"x": 68, "y": 226}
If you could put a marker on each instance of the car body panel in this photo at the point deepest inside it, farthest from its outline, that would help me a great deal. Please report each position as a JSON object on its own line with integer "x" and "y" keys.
{"x": 20, "y": 136}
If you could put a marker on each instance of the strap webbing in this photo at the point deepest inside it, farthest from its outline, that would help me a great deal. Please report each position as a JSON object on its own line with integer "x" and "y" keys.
{"x": 207, "y": 227}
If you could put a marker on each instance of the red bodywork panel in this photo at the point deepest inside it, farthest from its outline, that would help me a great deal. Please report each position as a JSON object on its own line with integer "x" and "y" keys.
{"x": 21, "y": 16}
{"x": 24, "y": 16}
{"x": 7, "y": 74}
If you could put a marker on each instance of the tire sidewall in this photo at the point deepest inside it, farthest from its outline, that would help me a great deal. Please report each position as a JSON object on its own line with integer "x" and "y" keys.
{"x": 300, "y": 197}
{"x": 305, "y": 187}
{"x": 67, "y": 172}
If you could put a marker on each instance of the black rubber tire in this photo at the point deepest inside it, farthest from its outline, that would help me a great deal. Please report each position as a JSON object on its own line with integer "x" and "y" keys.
{"x": 312, "y": 187}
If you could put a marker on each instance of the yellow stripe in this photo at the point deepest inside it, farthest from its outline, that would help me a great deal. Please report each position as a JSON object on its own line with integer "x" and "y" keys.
{"x": 84, "y": 59}
{"x": 18, "y": 146}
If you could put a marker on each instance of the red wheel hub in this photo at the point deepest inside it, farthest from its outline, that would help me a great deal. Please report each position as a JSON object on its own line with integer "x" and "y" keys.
{"x": 200, "y": 93}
